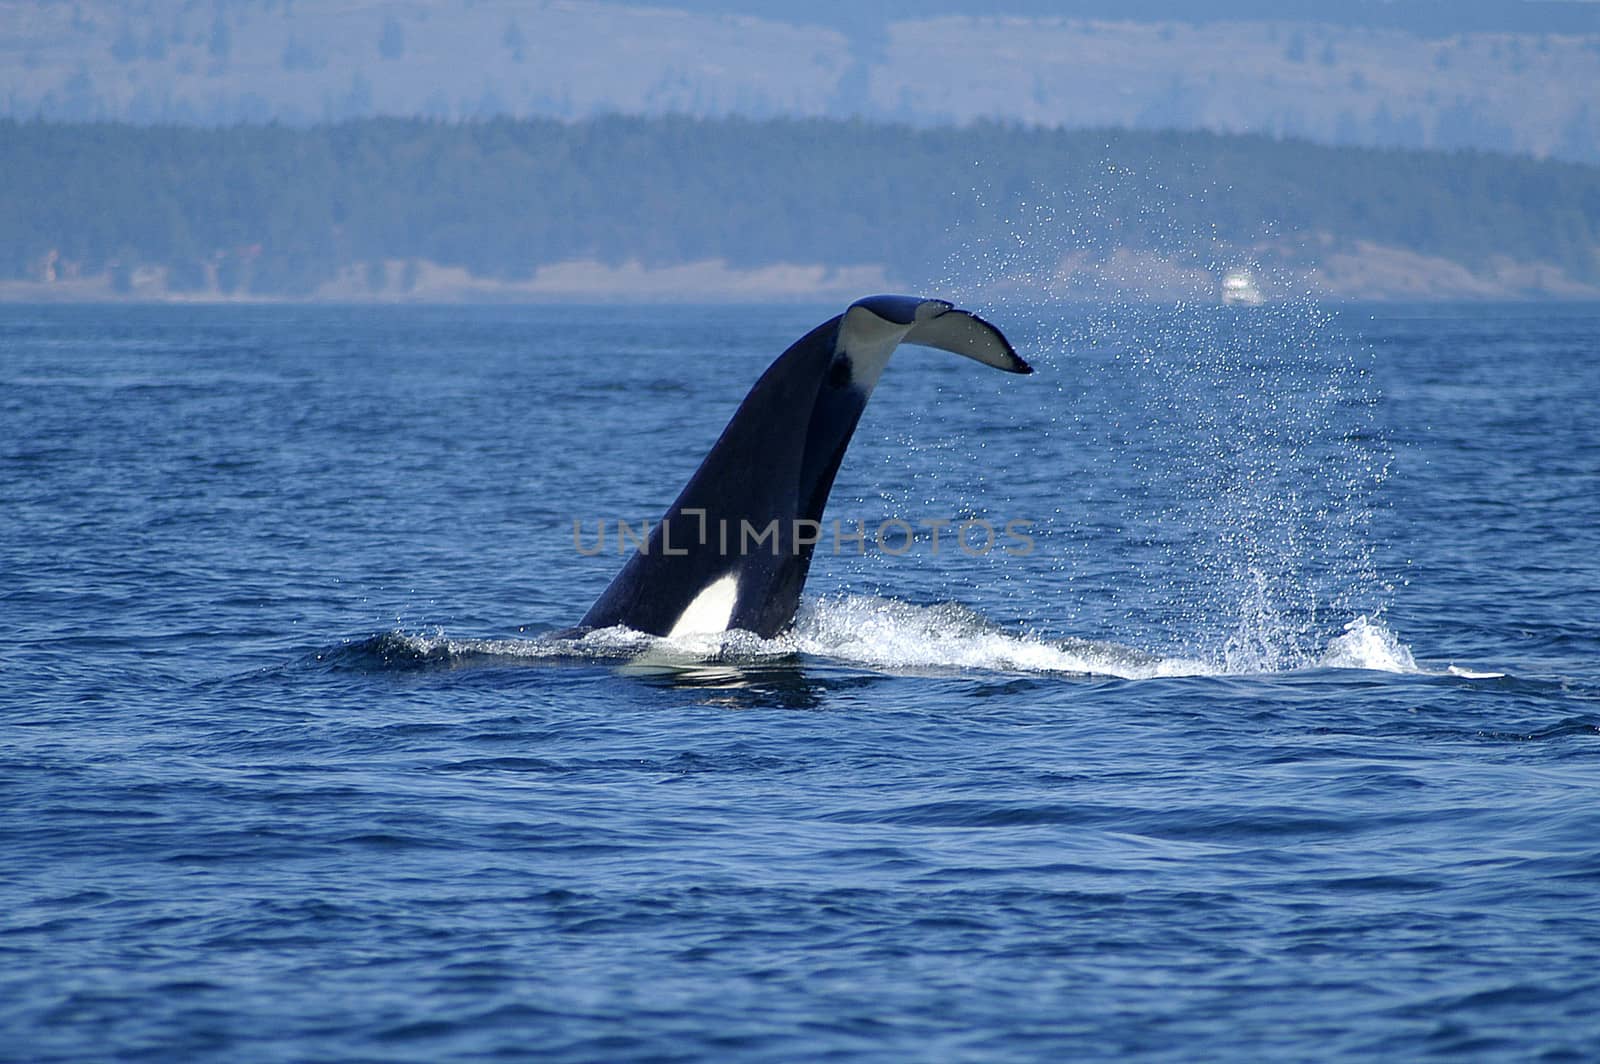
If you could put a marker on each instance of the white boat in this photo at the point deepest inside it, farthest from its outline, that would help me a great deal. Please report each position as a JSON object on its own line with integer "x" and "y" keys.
{"x": 1239, "y": 289}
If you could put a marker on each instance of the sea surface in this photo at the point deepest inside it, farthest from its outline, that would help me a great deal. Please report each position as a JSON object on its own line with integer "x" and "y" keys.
{"x": 1276, "y": 734}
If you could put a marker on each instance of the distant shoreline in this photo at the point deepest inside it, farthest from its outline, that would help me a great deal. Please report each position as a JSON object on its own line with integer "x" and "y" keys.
{"x": 1368, "y": 273}
{"x": 680, "y": 210}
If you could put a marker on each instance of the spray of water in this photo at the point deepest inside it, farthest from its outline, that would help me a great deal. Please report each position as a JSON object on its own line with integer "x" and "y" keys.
{"x": 1227, "y": 456}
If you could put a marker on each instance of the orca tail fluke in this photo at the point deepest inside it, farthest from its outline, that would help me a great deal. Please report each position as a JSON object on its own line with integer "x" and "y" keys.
{"x": 937, "y": 323}
{"x": 769, "y": 474}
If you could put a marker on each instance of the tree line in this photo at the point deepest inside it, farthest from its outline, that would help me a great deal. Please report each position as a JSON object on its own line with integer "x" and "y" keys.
{"x": 280, "y": 210}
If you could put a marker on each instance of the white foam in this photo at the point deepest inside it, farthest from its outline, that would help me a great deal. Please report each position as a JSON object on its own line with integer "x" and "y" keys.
{"x": 1367, "y": 644}
{"x": 889, "y": 634}
{"x": 1473, "y": 674}
{"x": 895, "y": 636}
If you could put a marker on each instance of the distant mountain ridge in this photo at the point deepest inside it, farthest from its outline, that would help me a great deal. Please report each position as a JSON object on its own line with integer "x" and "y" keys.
{"x": 1427, "y": 18}
{"x": 1487, "y": 74}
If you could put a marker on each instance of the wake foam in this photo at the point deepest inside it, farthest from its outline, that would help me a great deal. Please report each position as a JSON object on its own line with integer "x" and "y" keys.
{"x": 895, "y": 636}
{"x": 1367, "y": 644}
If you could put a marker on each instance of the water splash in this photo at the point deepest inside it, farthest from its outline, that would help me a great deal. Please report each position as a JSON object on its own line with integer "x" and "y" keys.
{"x": 1367, "y": 644}
{"x": 1230, "y": 456}
{"x": 889, "y": 634}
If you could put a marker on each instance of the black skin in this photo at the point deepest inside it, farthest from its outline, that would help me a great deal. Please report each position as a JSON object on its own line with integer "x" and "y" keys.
{"x": 777, "y": 459}
{"x": 773, "y": 468}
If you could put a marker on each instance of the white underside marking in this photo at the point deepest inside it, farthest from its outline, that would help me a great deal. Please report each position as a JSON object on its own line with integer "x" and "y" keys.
{"x": 960, "y": 333}
{"x": 869, "y": 341}
{"x": 710, "y": 611}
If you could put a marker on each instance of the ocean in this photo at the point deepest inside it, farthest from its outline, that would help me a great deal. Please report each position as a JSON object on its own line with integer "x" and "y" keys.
{"x": 1227, "y": 689}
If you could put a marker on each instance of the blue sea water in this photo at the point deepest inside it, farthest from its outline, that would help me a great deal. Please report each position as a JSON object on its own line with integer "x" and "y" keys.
{"x": 1282, "y": 741}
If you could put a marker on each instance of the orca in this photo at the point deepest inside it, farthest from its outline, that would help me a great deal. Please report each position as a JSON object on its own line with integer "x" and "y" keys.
{"x": 707, "y": 566}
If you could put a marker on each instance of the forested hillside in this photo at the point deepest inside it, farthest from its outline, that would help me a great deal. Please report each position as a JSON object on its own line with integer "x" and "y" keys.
{"x": 279, "y": 210}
